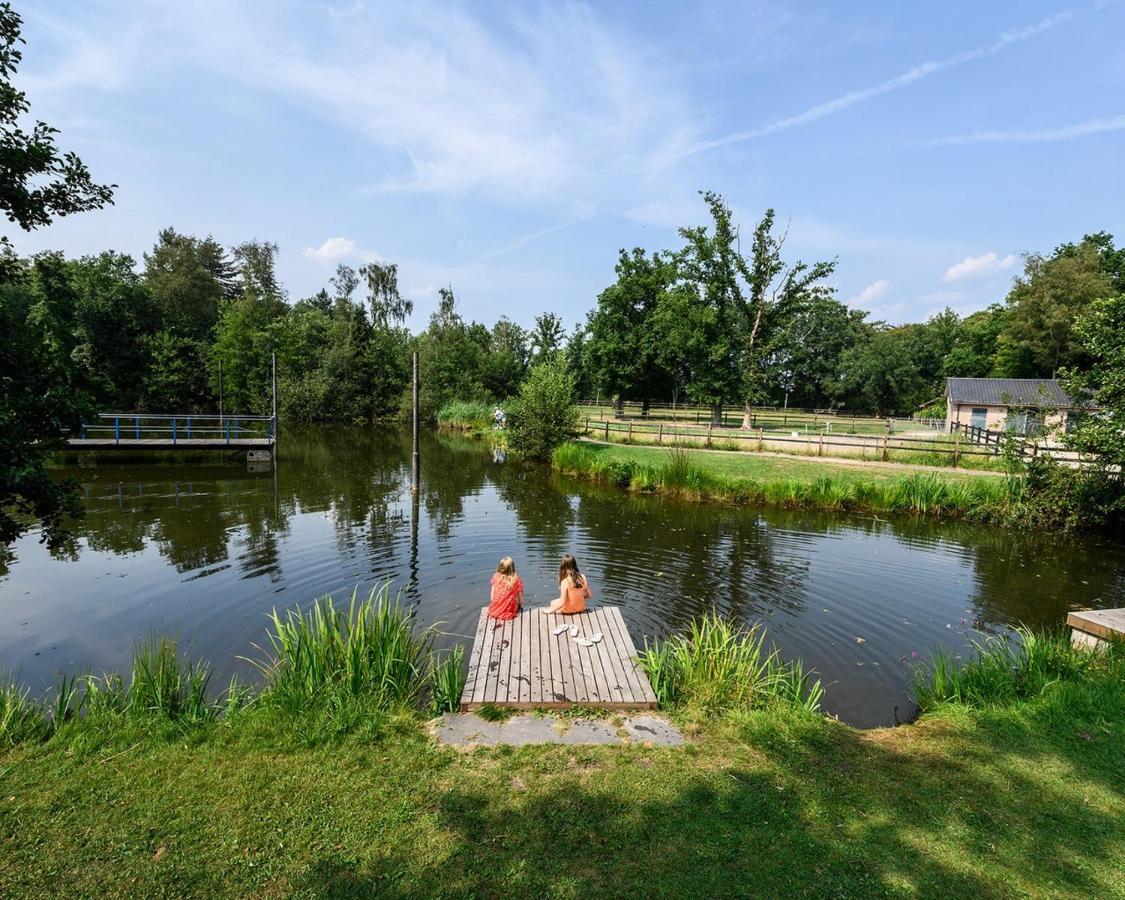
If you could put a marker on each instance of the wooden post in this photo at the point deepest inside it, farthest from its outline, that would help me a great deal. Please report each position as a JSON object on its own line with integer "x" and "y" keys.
{"x": 956, "y": 449}
{"x": 660, "y": 434}
{"x": 607, "y": 431}
{"x": 273, "y": 403}
{"x": 709, "y": 426}
{"x": 886, "y": 451}
{"x": 630, "y": 438}
{"x": 820, "y": 445}
{"x": 415, "y": 459}
{"x": 761, "y": 443}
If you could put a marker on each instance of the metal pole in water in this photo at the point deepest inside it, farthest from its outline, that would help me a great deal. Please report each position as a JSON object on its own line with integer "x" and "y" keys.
{"x": 273, "y": 423}
{"x": 415, "y": 463}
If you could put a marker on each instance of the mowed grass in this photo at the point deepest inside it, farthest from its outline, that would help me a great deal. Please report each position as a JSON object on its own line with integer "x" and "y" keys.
{"x": 761, "y": 467}
{"x": 995, "y": 802}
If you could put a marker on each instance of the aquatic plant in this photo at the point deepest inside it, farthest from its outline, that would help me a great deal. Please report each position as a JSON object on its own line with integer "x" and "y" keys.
{"x": 466, "y": 415}
{"x": 719, "y": 667}
{"x": 164, "y": 685}
{"x": 329, "y": 654}
{"x": 447, "y": 681}
{"x": 1002, "y": 670}
{"x": 21, "y": 718}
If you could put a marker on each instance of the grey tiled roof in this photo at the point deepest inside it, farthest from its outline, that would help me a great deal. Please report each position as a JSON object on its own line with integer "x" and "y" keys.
{"x": 1007, "y": 391}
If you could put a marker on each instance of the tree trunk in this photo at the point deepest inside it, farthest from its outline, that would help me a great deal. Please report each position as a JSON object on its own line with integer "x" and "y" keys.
{"x": 644, "y": 408}
{"x": 618, "y": 408}
{"x": 747, "y": 416}
{"x": 717, "y": 414}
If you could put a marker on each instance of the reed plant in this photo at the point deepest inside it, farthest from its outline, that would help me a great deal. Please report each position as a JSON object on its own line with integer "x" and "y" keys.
{"x": 466, "y": 415}
{"x": 447, "y": 681}
{"x": 1002, "y": 670}
{"x": 165, "y": 686}
{"x": 331, "y": 655}
{"x": 719, "y": 667}
{"x": 21, "y": 717}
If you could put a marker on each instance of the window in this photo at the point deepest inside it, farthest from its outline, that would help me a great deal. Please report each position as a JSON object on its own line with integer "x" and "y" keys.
{"x": 1016, "y": 422}
{"x": 980, "y": 417}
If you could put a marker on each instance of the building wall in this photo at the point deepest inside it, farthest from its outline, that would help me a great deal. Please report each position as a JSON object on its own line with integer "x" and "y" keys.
{"x": 996, "y": 419}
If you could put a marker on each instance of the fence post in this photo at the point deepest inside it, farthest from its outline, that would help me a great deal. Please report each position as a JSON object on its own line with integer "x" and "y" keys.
{"x": 956, "y": 449}
{"x": 697, "y": 417}
{"x": 886, "y": 451}
{"x": 607, "y": 431}
{"x": 820, "y": 446}
{"x": 587, "y": 431}
{"x": 189, "y": 427}
{"x": 228, "y": 431}
{"x": 173, "y": 432}
{"x": 709, "y": 426}
{"x": 137, "y": 427}
{"x": 116, "y": 430}
{"x": 630, "y": 438}
{"x": 761, "y": 443}
{"x": 660, "y": 434}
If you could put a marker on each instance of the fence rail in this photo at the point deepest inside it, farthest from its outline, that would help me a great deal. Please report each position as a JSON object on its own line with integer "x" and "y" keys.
{"x": 175, "y": 430}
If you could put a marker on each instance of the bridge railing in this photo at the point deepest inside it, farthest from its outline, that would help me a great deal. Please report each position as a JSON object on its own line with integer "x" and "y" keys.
{"x": 175, "y": 428}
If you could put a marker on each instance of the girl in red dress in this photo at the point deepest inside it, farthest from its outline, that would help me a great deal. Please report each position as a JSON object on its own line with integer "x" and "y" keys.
{"x": 507, "y": 591}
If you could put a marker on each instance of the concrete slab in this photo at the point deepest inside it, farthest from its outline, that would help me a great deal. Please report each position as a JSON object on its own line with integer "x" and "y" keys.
{"x": 468, "y": 730}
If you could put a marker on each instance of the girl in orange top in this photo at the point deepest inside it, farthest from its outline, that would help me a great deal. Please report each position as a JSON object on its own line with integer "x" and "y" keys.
{"x": 574, "y": 589}
{"x": 506, "y": 599}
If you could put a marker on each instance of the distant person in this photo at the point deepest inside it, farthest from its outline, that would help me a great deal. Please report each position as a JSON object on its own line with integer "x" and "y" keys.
{"x": 498, "y": 417}
{"x": 506, "y": 599}
{"x": 574, "y": 589}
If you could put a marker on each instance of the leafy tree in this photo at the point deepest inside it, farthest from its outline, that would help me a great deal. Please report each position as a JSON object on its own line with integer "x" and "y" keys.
{"x": 255, "y": 263}
{"x": 507, "y": 359}
{"x": 388, "y": 306}
{"x": 973, "y": 354}
{"x": 451, "y": 355}
{"x": 755, "y": 297}
{"x": 878, "y": 373}
{"x": 544, "y": 413}
{"x": 1037, "y": 339}
{"x": 546, "y": 337}
{"x": 1100, "y": 332}
{"x": 188, "y": 278}
{"x": 43, "y": 393}
{"x": 176, "y": 377}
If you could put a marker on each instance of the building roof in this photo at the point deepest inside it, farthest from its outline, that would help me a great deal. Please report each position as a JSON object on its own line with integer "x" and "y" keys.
{"x": 1044, "y": 392}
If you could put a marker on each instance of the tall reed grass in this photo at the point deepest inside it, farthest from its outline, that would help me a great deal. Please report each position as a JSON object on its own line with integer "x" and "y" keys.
{"x": 447, "y": 681}
{"x": 329, "y": 655}
{"x": 1001, "y": 671}
{"x": 719, "y": 668}
{"x": 21, "y": 718}
{"x": 466, "y": 415}
{"x": 921, "y": 493}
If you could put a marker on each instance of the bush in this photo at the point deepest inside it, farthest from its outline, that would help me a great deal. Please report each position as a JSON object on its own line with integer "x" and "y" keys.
{"x": 470, "y": 416}
{"x": 544, "y": 414}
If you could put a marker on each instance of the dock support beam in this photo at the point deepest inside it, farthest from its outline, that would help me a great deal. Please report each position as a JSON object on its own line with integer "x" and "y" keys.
{"x": 273, "y": 411}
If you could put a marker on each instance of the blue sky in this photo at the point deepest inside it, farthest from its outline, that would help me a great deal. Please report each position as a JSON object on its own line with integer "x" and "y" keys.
{"x": 510, "y": 149}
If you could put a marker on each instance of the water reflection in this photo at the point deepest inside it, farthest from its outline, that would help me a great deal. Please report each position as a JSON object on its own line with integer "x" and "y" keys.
{"x": 206, "y": 550}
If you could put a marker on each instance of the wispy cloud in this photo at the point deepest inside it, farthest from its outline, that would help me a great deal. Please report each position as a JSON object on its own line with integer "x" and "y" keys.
{"x": 903, "y": 79}
{"x": 978, "y": 266}
{"x": 871, "y": 293}
{"x": 1043, "y": 135}
{"x": 332, "y": 250}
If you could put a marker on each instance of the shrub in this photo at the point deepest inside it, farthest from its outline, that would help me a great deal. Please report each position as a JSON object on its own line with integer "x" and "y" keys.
{"x": 544, "y": 414}
{"x": 469, "y": 415}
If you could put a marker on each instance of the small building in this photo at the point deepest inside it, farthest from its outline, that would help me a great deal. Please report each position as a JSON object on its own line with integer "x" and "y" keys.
{"x": 1028, "y": 407}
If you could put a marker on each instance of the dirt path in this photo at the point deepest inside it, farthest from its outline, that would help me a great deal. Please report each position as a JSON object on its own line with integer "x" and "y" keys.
{"x": 829, "y": 460}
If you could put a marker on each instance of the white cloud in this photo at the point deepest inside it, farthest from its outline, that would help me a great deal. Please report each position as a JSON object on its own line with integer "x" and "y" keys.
{"x": 333, "y": 250}
{"x": 978, "y": 266}
{"x": 903, "y": 79}
{"x": 871, "y": 293}
{"x": 1044, "y": 135}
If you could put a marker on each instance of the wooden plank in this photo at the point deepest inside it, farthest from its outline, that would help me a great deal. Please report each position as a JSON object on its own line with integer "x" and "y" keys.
{"x": 622, "y": 662}
{"x": 541, "y": 686}
{"x": 513, "y": 669}
{"x": 529, "y": 668}
{"x": 557, "y": 688}
{"x": 591, "y": 662}
{"x": 496, "y": 661}
{"x": 481, "y": 638}
{"x": 1103, "y": 623}
{"x": 642, "y": 688}
{"x": 620, "y": 687}
{"x": 613, "y": 679}
{"x": 575, "y": 689}
{"x": 474, "y": 659}
{"x": 629, "y": 652}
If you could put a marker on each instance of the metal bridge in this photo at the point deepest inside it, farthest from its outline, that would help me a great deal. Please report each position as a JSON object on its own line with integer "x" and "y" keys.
{"x": 143, "y": 431}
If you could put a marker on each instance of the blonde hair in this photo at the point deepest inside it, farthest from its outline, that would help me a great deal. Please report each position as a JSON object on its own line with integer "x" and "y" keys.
{"x": 507, "y": 568}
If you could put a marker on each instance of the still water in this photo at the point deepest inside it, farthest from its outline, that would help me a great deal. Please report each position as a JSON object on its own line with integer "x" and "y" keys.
{"x": 204, "y": 551}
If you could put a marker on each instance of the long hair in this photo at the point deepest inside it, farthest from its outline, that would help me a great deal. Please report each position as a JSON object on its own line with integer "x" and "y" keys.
{"x": 568, "y": 568}
{"x": 507, "y": 568}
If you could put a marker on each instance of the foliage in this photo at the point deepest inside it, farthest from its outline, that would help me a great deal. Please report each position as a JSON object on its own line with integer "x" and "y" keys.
{"x": 470, "y": 416}
{"x": 447, "y": 682}
{"x": 543, "y": 414}
{"x": 1004, "y": 671}
{"x": 718, "y": 668}
{"x": 1100, "y": 332}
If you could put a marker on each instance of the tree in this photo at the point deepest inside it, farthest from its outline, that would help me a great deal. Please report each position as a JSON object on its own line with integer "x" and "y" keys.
{"x": 973, "y": 354}
{"x": 546, "y": 337}
{"x": 451, "y": 353}
{"x": 43, "y": 393}
{"x": 1037, "y": 339}
{"x": 188, "y": 278}
{"x": 388, "y": 306}
{"x": 756, "y": 297}
{"x": 1100, "y": 332}
{"x": 877, "y": 374}
{"x": 544, "y": 413}
{"x": 507, "y": 359}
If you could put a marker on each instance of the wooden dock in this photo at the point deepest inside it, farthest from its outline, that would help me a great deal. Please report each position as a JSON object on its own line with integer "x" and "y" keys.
{"x": 521, "y": 664}
{"x": 1096, "y": 627}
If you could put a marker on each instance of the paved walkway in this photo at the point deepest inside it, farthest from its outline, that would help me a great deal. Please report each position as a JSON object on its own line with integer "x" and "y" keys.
{"x": 468, "y": 730}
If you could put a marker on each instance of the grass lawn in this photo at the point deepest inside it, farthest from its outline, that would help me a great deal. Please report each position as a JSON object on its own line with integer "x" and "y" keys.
{"x": 1003, "y": 802}
{"x": 760, "y": 467}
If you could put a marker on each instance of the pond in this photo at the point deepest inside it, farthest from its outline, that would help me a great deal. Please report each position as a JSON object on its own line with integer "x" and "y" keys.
{"x": 205, "y": 550}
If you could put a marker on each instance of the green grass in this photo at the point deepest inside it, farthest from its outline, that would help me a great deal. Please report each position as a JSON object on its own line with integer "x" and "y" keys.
{"x": 466, "y": 416}
{"x": 745, "y": 479}
{"x": 1023, "y": 796}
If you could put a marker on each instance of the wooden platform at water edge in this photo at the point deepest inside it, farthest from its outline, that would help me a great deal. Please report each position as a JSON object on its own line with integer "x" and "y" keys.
{"x": 1096, "y": 627}
{"x": 522, "y": 664}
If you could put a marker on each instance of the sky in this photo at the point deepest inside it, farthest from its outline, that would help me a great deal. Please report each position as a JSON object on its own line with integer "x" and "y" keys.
{"x": 509, "y": 150}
